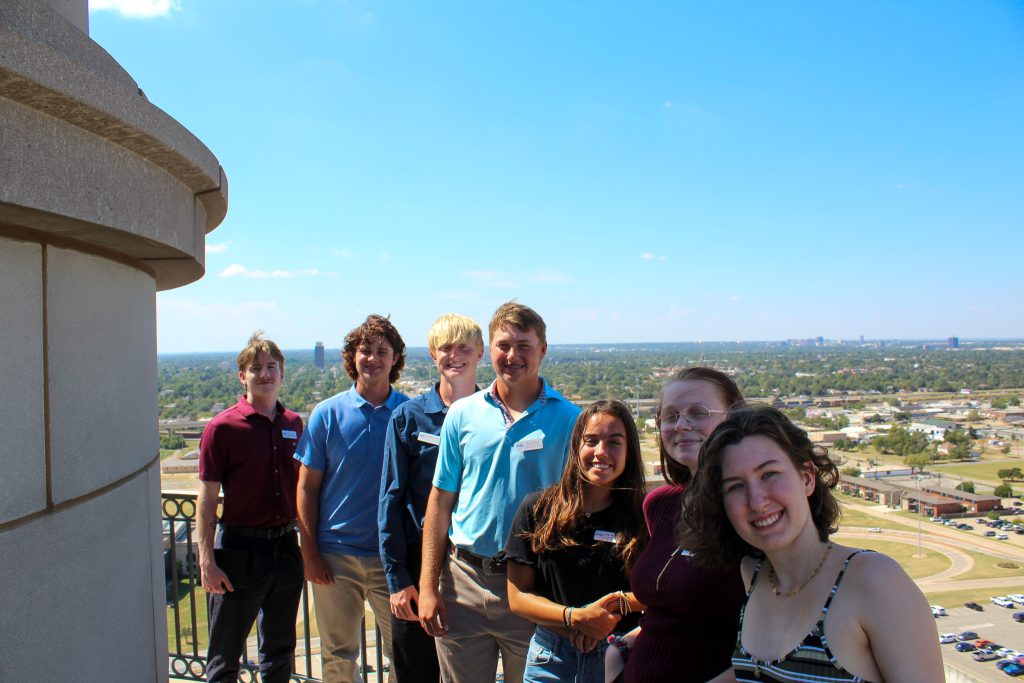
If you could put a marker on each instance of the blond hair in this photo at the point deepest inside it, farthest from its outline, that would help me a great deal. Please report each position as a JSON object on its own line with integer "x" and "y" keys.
{"x": 452, "y": 328}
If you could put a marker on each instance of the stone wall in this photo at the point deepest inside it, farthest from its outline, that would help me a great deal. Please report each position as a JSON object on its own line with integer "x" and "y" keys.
{"x": 104, "y": 199}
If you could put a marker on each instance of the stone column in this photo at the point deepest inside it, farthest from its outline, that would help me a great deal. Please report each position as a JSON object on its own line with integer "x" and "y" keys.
{"x": 104, "y": 199}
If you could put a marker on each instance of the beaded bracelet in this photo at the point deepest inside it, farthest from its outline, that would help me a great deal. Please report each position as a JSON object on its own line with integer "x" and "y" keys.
{"x": 619, "y": 643}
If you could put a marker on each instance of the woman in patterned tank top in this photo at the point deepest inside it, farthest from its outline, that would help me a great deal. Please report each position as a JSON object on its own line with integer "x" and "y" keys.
{"x": 814, "y": 610}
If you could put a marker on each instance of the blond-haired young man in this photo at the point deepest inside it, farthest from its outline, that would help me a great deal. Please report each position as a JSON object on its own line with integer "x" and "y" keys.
{"x": 456, "y": 345}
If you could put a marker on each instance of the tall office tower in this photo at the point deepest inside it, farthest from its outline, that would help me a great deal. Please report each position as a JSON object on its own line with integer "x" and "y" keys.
{"x": 953, "y": 342}
{"x": 318, "y": 355}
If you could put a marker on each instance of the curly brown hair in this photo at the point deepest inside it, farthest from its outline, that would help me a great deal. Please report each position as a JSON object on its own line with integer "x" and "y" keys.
{"x": 373, "y": 328}
{"x": 560, "y": 507}
{"x": 705, "y": 529}
{"x": 728, "y": 391}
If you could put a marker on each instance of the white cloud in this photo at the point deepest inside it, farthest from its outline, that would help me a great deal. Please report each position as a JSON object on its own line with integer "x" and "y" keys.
{"x": 648, "y": 256}
{"x": 136, "y": 9}
{"x": 343, "y": 253}
{"x": 237, "y": 270}
{"x": 216, "y": 248}
{"x": 548, "y": 276}
{"x": 678, "y": 312}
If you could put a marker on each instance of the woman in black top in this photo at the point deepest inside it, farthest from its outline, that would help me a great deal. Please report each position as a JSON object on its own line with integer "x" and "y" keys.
{"x": 572, "y": 545}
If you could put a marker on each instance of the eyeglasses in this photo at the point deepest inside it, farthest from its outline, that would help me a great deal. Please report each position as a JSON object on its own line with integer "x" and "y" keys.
{"x": 696, "y": 416}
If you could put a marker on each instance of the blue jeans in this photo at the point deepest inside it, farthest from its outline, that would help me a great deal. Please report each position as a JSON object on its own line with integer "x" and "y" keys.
{"x": 553, "y": 659}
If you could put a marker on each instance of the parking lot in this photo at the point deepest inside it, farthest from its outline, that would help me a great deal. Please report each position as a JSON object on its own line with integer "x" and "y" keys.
{"x": 993, "y": 623}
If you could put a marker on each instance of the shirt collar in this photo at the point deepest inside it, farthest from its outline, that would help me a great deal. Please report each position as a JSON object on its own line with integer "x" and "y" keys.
{"x": 542, "y": 400}
{"x": 247, "y": 411}
{"x": 391, "y": 402}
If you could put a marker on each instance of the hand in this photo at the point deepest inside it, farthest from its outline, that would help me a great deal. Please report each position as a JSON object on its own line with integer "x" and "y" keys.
{"x": 402, "y": 603}
{"x": 432, "y": 614}
{"x": 581, "y": 642}
{"x": 215, "y": 580}
{"x": 316, "y": 569}
{"x": 594, "y": 621}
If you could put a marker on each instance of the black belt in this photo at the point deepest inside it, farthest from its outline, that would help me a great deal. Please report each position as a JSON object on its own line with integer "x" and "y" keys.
{"x": 488, "y": 564}
{"x": 260, "y": 532}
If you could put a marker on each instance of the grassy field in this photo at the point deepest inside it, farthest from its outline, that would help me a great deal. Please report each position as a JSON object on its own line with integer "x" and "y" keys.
{"x": 950, "y": 599}
{"x": 980, "y": 471}
{"x": 933, "y": 561}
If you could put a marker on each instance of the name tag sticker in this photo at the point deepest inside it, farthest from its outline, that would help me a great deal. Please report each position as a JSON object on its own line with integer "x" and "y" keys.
{"x": 530, "y": 445}
{"x": 289, "y": 434}
{"x": 426, "y": 437}
{"x": 606, "y": 536}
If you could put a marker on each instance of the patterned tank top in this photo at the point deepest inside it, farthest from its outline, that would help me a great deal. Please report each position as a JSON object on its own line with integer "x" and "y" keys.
{"x": 809, "y": 662}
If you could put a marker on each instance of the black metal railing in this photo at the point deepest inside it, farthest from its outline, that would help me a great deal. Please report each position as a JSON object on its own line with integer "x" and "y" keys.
{"x": 187, "y": 622}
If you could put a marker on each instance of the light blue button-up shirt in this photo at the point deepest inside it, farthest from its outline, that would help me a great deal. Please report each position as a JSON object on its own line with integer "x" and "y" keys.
{"x": 493, "y": 465}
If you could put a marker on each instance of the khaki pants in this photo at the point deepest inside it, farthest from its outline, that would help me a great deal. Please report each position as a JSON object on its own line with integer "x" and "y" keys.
{"x": 480, "y": 626}
{"x": 339, "y": 613}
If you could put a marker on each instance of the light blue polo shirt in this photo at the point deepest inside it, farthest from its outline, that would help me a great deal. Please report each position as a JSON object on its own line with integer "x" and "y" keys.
{"x": 493, "y": 465}
{"x": 345, "y": 440}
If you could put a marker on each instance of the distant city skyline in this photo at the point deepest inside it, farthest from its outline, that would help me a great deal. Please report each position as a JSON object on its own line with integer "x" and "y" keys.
{"x": 668, "y": 172}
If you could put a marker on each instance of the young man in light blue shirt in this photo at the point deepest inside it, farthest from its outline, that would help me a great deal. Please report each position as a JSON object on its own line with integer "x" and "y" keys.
{"x": 341, "y": 455}
{"x": 497, "y": 446}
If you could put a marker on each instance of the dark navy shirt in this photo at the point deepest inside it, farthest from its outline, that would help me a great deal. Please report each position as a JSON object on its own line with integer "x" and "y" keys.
{"x": 410, "y": 453}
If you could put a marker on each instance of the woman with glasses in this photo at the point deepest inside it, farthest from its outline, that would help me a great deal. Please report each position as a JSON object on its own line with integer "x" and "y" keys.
{"x": 689, "y": 625}
{"x": 571, "y": 547}
{"x": 814, "y": 610}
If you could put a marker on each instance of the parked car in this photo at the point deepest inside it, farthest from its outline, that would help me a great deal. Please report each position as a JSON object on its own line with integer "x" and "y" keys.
{"x": 1006, "y": 652}
{"x": 990, "y": 533}
{"x": 947, "y": 638}
{"x": 965, "y": 527}
{"x": 1011, "y": 668}
{"x": 967, "y": 635}
{"x": 965, "y": 647}
{"x": 1002, "y": 602}
{"x": 1016, "y": 597}
{"x": 983, "y": 644}
{"x": 980, "y": 520}
{"x": 984, "y": 655}
{"x": 1002, "y": 537}
{"x": 939, "y": 611}
{"x": 1018, "y": 617}
{"x": 874, "y": 529}
{"x": 974, "y": 606}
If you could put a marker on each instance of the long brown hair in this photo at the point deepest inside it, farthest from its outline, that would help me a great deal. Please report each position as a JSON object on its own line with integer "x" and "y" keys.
{"x": 728, "y": 391}
{"x": 560, "y": 507}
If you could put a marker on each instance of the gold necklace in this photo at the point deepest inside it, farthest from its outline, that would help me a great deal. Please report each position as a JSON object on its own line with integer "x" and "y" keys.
{"x": 774, "y": 580}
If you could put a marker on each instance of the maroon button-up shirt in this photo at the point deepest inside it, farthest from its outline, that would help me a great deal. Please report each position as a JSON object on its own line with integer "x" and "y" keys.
{"x": 251, "y": 456}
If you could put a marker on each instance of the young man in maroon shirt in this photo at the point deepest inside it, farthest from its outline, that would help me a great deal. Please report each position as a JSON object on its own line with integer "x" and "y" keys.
{"x": 251, "y": 567}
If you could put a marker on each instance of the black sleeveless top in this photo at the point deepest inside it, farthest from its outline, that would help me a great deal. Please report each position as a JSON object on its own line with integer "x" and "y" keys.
{"x": 809, "y": 662}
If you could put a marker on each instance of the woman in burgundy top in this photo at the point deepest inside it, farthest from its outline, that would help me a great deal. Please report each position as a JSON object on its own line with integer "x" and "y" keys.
{"x": 689, "y": 626}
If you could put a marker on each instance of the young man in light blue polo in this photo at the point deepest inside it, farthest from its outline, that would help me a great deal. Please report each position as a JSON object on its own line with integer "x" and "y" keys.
{"x": 497, "y": 446}
{"x": 341, "y": 455}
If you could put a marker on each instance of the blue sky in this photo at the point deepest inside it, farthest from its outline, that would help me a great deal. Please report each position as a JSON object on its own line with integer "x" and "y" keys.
{"x": 671, "y": 171}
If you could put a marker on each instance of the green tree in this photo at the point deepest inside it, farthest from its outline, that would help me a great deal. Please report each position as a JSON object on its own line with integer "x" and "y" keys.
{"x": 966, "y": 486}
{"x": 1015, "y": 401}
{"x": 172, "y": 442}
{"x": 1005, "y": 450}
{"x": 1010, "y": 474}
{"x": 852, "y": 471}
{"x": 1003, "y": 491}
{"x": 917, "y": 461}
